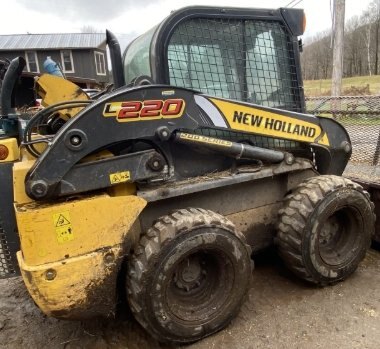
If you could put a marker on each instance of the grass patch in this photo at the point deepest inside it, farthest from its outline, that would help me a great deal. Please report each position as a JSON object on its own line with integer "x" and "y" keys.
{"x": 323, "y": 87}
{"x": 352, "y": 121}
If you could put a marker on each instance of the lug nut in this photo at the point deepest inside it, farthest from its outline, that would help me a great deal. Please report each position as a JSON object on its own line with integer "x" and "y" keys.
{"x": 155, "y": 163}
{"x": 163, "y": 133}
{"x": 39, "y": 188}
{"x": 109, "y": 258}
{"x": 75, "y": 140}
{"x": 50, "y": 274}
{"x": 346, "y": 146}
{"x": 289, "y": 159}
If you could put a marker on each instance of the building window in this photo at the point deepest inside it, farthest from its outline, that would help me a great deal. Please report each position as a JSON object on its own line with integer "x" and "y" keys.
{"x": 67, "y": 61}
{"x": 32, "y": 61}
{"x": 100, "y": 63}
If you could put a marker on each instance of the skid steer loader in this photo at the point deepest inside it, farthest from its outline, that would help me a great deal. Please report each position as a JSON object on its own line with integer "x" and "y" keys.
{"x": 165, "y": 186}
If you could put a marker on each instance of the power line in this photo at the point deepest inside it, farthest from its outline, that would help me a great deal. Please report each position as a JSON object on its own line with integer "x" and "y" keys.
{"x": 297, "y": 3}
{"x": 290, "y": 3}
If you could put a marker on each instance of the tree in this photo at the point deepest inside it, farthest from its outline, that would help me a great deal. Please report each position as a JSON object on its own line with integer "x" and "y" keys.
{"x": 353, "y": 43}
{"x": 375, "y": 5}
{"x": 89, "y": 29}
{"x": 361, "y": 47}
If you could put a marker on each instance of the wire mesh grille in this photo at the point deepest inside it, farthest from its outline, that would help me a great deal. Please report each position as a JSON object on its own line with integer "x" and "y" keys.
{"x": 245, "y": 60}
{"x": 360, "y": 115}
{"x": 6, "y": 264}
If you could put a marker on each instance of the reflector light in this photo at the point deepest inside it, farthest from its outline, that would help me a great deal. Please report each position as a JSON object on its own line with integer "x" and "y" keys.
{"x": 4, "y": 152}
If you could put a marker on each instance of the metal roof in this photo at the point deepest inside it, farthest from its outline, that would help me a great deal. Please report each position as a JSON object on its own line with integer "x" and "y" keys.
{"x": 49, "y": 41}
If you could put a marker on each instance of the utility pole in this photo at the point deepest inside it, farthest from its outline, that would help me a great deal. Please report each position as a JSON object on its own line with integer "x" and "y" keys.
{"x": 338, "y": 43}
{"x": 377, "y": 26}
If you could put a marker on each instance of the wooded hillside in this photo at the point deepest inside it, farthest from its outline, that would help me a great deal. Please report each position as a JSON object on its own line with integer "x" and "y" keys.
{"x": 361, "y": 49}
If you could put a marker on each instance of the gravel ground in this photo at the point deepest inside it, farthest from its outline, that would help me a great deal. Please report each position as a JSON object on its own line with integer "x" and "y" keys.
{"x": 280, "y": 312}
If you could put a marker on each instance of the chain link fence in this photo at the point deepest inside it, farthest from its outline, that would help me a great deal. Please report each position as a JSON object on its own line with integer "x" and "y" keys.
{"x": 360, "y": 115}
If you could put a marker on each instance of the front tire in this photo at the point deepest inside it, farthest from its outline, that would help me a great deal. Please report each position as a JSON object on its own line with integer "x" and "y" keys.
{"x": 189, "y": 275}
{"x": 325, "y": 229}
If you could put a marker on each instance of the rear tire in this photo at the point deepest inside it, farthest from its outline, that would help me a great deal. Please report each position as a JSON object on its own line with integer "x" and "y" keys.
{"x": 325, "y": 229}
{"x": 189, "y": 275}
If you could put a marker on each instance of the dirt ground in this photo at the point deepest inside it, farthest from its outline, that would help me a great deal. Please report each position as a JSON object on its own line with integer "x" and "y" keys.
{"x": 280, "y": 312}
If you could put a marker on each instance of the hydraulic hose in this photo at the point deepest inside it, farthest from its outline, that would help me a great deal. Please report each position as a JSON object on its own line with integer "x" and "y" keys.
{"x": 7, "y": 89}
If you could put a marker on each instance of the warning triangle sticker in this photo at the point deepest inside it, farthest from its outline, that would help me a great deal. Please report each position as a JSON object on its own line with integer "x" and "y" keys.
{"x": 61, "y": 221}
{"x": 116, "y": 179}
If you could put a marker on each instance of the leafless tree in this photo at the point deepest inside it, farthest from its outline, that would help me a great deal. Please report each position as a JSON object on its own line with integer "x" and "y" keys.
{"x": 362, "y": 40}
{"x": 89, "y": 29}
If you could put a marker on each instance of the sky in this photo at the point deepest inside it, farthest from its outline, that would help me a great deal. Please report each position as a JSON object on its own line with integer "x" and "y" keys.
{"x": 134, "y": 17}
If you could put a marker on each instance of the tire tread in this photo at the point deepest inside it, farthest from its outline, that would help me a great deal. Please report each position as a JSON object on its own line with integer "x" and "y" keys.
{"x": 163, "y": 230}
{"x": 298, "y": 205}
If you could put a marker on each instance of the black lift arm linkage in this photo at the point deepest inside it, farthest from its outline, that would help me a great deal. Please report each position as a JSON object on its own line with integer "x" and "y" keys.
{"x": 124, "y": 115}
{"x": 153, "y": 114}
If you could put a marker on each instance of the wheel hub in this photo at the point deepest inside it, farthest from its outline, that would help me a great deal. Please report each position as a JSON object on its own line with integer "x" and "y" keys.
{"x": 189, "y": 273}
{"x": 329, "y": 231}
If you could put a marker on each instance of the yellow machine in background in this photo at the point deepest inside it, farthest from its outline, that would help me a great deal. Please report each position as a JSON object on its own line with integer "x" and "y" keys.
{"x": 54, "y": 89}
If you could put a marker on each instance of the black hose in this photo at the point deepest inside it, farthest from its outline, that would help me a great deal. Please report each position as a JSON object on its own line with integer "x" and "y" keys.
{"x": 116, "y": 60}
{"x": 41, "y": 118}
{"x": 7, "y": 98}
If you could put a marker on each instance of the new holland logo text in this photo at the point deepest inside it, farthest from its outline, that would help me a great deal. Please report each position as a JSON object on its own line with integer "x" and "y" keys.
{"x": 273, "y": 124}
{"x": 145, "y": 110}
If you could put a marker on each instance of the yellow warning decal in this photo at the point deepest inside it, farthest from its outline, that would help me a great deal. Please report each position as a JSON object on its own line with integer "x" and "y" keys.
{"x": 270, "y": 123}
{"x": 205, "y": 139}
{"x": 120, "y": 177}
{"x": 62, "y": 226}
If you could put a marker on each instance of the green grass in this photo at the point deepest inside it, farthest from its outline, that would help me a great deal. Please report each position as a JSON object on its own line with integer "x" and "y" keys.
{"x": 323, "y": 87}
{"x": 352, "y": 121}
{"x": 355, "y": 121}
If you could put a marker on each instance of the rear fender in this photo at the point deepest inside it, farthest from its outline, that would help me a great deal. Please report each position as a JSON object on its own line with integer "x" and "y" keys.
{"x": 71, "y": 252}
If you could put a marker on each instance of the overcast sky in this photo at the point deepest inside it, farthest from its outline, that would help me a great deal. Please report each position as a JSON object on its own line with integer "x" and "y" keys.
{"x": 136, "y": 16}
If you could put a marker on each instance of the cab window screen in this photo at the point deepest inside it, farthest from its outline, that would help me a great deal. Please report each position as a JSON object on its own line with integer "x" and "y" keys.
{"x": 198, "y": 67}
{"x": 244, "y": 60}
{"x": 137, "y": 59}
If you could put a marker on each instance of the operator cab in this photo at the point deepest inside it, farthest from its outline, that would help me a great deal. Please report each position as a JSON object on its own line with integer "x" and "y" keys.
{"x": 246, "y": 55}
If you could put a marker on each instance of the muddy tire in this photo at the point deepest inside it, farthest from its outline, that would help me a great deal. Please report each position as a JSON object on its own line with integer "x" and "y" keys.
{"x": 189, "y": 275}
{"x": 325, "y": 229}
